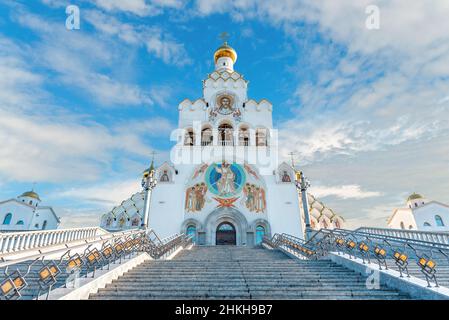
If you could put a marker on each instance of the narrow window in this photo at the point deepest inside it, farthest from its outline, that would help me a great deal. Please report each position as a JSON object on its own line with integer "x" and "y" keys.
{"x": 260, "y": 233}
{"x": 439, "y": 221}
{"x": 191, "y": 232}
{"x": 7, "y": 219}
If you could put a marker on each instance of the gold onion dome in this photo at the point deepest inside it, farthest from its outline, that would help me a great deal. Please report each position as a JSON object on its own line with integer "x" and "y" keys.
{"x": 225, "y": 51}
{"x": 31, "y": 194}
{"x": 414, "y": 196}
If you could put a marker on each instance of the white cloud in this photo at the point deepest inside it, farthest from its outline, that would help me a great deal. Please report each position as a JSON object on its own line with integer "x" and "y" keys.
{"x": 56, "y": 149}
{"x": 157, "y": 42}
{"x": 105, "y": 195}
{"x": 140, "y": 7}
{"x": 137, "y": 7}
{"x": 46, "y": 143}
{"x": 343, "y": 192}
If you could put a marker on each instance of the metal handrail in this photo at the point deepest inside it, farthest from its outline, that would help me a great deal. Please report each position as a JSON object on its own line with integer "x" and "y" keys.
{"x": 429, "y": 256}
{"x": 97, "y": 253}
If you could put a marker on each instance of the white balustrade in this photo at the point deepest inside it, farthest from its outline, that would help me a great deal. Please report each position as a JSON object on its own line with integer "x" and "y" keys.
{"x": 435, "y": 237}
{"x": 16, "y": 241}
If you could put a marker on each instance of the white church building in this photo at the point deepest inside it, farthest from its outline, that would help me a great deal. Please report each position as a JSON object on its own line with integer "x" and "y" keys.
{"x": 421, "y": 214}
{"x": 25, "y": 213}
{"x": 224, "y": 183}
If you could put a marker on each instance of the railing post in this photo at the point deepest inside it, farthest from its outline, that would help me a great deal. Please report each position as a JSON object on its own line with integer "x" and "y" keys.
{"x": 11, "y": 244}
{"x": 15, "y": 243}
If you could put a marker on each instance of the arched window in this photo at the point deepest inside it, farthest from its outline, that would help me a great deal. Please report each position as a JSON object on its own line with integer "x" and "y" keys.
{"x": 243, "y": 136}
{"x": 402, "y": 225}
{"x": 19, "y": 223}
{"x": 44, "y": 225}
{"x": 7, "y": 219}
{"x": 189, "y": 139}
{"x": 206, "y": 137}
{"x": 410, "y": 227}
{"x": 261, "y": 137}
{"x": 226, "y": 135}
{"x": 439, "y": 221}
{"x": 426, "y": 224}
{"x": 191, "y": 232}
{"x": 260, "y": 233}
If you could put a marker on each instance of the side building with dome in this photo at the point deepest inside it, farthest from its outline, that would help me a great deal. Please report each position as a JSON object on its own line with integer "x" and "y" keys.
{"x": 25, "y": 213}
{"x": 224, "y": 183}
{"x": 420, "y": 214}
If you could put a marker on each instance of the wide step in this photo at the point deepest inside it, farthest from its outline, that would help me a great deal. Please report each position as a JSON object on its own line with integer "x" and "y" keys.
{"x": 226, "y": 272}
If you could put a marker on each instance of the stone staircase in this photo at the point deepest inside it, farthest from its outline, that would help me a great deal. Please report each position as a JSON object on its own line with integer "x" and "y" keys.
{"x": 32, "y": 291}
{"x": 228, "y": 272}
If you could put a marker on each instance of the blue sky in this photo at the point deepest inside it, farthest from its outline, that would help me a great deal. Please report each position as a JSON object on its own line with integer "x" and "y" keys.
{"x": 365, "y": 110}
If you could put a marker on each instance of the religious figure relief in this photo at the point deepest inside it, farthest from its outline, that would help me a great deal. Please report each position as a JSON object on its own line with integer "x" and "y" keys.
{"x": 135, "y": 222}
{"x": 324, "y": 223}
{"x": 224, "y": 105}
{"x": 164, "y": 177}
{"x": 251, "y": 171}
{"x": 224, "y": 179}
{"x": 108, "y": 221}
{"x": 200, "y": 171}
{"x": 237, "y": 114}
{"x": 196, "y": 197}
{"x": 255, "y": 198}
{"x": 225, "y": 183}
{"x": 122, "y": 221}
{"x": 212, "y": 115}
{"x": 337, "y": 224}
{"x": 286, "y": 177}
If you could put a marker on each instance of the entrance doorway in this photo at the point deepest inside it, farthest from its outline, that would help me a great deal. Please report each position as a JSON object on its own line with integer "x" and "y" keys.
{"x": 225, "y": 234}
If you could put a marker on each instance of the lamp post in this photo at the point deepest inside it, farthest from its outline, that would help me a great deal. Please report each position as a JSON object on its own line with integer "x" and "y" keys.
{"x": 302, "y": 184}
{"x": 148, "y": 184}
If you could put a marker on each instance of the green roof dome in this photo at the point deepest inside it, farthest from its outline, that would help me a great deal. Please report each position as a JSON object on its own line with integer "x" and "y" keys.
{"x": 414, "y": 196}
{"x": 31, "y": 194}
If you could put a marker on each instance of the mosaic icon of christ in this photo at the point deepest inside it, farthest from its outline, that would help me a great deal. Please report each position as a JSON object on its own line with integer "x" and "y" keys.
{"x": 225, "y": 184}
{"x": 225, "y": 105}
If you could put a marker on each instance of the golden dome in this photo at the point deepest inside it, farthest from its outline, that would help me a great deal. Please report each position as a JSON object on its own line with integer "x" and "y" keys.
{"x": 414, "y": 196}
{"x": 31, "y": 194}
{"x": 225, "y": 51}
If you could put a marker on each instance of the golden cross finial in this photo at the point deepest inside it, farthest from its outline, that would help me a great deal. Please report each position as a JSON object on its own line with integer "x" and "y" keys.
{"x": 224, "y": 36}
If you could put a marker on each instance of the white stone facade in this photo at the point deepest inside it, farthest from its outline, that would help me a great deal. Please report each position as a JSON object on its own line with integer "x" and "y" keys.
{"x": 25, "y": 213}
{"x": 421, "y": 214}
{"x": 224, "y": 178}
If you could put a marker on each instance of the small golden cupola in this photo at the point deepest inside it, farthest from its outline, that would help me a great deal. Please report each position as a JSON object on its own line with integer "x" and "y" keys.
{"x": 225, "y": 57}
{"x": 30, "y": 197}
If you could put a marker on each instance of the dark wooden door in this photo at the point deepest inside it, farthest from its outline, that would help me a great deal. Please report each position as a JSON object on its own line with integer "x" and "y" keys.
{"x": 225, "y": 234}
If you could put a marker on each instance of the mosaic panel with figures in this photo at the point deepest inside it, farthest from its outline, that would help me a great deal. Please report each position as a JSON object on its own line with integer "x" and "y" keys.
{"x": 229, "y": 184}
